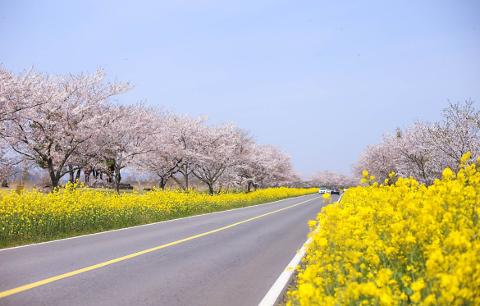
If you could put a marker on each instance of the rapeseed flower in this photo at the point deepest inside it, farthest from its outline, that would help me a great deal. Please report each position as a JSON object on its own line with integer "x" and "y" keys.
{"x": 400, "y": 243}
{"x": 35, "y": 216}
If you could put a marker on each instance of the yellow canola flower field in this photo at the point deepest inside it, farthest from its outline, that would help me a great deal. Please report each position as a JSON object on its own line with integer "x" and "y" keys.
{"x": 34, "y": 216}
{"x": 397, "y": 244}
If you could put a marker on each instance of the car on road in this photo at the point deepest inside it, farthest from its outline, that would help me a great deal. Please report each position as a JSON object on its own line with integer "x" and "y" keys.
{"x": 324, "y": 190}
{"x": 335, "y": 191}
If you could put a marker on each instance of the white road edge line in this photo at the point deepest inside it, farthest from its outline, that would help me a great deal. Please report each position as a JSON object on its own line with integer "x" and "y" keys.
{"x": 148, "y": 224}
{"x": 278, "y": 288}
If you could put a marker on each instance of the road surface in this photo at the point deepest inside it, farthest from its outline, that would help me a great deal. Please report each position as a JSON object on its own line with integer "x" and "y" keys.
{"x": 225, "y": 258}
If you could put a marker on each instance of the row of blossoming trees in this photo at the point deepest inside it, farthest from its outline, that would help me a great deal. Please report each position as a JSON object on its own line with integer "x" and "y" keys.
{"x": 333, "y": 179}
{"x": 424, "y": 149}
{"x": 421, "y": 151}
{"x": 69, "y": 126}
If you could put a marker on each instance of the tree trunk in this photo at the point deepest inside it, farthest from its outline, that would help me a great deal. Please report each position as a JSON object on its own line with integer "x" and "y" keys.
{"x": 71, "y": 173}
{"x": 186, "y": 182}
{"x": 163, "y": 183}
{"x": 111, "y": 167}
{"x": 4, "y": 183}
{"x": 178, "y": 182}
{"x": 186, "y": 174}
{"x": 210, "y": 189}
{"x": 77, "y": 176}
{"x": 86, "y": 174}
{"x": 54, "y": 178}
{"x": 117, "y": 178}
{"x": 249, "y": 186}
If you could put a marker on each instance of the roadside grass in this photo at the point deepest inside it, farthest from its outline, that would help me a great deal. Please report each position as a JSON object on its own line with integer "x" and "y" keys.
{"x": 33, "y": 216}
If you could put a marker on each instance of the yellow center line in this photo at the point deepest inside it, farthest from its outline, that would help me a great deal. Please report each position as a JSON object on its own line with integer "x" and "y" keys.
{"x": 132, "y": 255}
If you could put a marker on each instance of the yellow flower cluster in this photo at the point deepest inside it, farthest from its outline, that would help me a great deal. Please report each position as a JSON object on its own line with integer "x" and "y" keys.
{"x": 36, "y": 216}
{"x": 397, "y": 244}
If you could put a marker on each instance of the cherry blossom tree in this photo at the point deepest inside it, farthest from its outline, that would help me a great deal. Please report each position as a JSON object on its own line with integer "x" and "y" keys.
{"x": 218, "y": 149}
{"x": 22, "y": 91}
{"x": 50, "y": 133}
{"x": 333, "y": 180}
{"x": 422, "y": 150}
{"x": 67, "y": 124}
{"x": 128, "y": 133}
{"x": 186, "y": 133}
{"x": 277, "y": 168}
{"x": 166, "y": 155}
{"x": 6, "y": 165}
{"x": 379, "y": 160}
{"x": 415, "y": 157}
{"x": 456, "y": 134}
{"x": 222, "y": 157}
{"x": 265, "y": 166}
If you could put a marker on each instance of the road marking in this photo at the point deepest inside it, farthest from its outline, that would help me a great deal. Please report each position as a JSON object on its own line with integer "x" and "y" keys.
{"x": 273, "y": 295}
{"x": 132, "y": 255}
{"x": 149, "y": 224}
{"x": 278, "y": 288}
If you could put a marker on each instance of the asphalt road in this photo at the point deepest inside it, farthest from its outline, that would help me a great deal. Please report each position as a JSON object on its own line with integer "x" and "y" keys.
{"x": 228, "y": 258}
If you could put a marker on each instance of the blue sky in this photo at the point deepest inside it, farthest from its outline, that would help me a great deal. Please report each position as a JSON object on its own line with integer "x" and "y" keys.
{"x": 320, "y": 79}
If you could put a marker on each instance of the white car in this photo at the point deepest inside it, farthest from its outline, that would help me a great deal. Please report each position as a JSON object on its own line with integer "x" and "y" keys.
{"x": 324, "y": 190}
